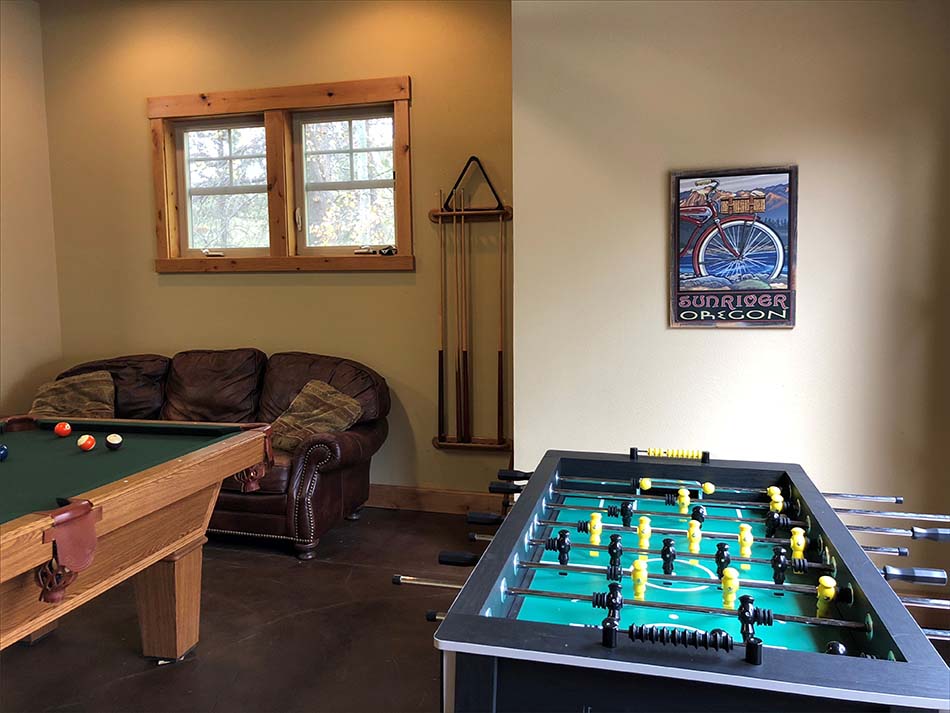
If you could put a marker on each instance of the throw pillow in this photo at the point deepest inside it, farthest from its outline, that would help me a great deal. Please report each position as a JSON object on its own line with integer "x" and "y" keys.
{"x": 318, "y": 408}
{"x": 90, "y": 395}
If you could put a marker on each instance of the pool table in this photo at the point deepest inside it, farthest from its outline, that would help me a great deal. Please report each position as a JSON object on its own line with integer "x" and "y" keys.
{"x": 75, "y": 523}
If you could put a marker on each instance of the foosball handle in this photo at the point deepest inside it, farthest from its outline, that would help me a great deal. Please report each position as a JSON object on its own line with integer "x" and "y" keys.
{"x": 513, "y": 476}
{"x": 499, "y": 488}
{"x": 433, "y": 615}
{"x": 484, "y": 518}
{"x": 458, "y": 559}
{"x": 917, "y": 575}
{"x": 940, "y": 534}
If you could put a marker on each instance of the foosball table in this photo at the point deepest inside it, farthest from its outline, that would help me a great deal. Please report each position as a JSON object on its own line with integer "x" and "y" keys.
{"x": 646, "y": 582}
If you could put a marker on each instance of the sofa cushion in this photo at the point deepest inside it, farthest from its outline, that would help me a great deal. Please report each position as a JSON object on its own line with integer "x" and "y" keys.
{"x": 89, "y": 395}
{"x": 288, "y": 372}
{"x": 275, "y": 480}
{"x": 214, "y": 385}
{"x": 318, "y": 408}
{"x": 139, "y": 382}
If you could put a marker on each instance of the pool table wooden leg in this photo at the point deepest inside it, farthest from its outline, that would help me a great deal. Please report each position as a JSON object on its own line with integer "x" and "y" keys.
{"x": 168, "y": 599}
{"x": 40, "y": 633}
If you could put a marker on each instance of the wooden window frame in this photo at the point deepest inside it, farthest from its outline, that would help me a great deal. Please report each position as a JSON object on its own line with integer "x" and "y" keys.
{"x": 350, "y": 113}
{"x": 278, "y": 105}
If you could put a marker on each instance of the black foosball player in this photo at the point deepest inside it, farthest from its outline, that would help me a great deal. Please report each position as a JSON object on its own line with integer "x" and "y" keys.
{"x": 626, "y": 513}
{"x": 779, "y": 564}
{"x": 699, "y": 514}
{"x": 668, "y": 555}
{"x": 615, "y": 550}
{"x": 561, "y": 545}
{"x": 612, "y": 601}
{"x": 723, "y": 558}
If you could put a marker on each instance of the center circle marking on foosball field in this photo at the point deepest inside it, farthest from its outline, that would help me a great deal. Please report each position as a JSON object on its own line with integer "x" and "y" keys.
{"x": 674, "y": 588}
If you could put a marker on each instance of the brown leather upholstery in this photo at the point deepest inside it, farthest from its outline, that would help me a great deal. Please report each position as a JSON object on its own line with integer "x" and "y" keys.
{"x": 139, "y": 383}
{"x": 304, "y": 493}
{"x": 288, "y": 372}
{"x": 206, "y": 385}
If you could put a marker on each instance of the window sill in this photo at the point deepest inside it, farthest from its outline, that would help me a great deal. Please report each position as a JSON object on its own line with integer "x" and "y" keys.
{"x": 341, "y": 263}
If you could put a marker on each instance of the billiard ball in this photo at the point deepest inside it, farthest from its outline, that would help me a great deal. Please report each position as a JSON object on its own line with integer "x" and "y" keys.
{"x": 113, "y": 441}
{"x": 62, "y": 429}
{"x": 4, "y": 452}
{"x": 86, "y": 442}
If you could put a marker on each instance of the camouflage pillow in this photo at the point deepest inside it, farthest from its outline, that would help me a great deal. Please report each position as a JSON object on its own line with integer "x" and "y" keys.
{"x": 89, "y": 395}
{"x": 318, "y": 408}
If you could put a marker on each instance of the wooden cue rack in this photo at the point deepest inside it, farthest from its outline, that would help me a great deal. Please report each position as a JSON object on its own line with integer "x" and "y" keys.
{"x": 454, "y": 218}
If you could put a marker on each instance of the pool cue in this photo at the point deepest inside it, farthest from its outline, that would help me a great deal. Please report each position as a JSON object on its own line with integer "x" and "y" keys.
{"x": 502, "y": 270}
{"x": 466, "y": 329}
{"x": 458, "y": 324}
{"x": 441, "y": 420}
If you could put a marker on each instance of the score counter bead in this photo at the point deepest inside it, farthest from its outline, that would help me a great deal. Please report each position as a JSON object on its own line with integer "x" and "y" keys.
{"x": 113, "y": 441}
{"x": 86, "y": 442}
{"x": 62, "y": 429}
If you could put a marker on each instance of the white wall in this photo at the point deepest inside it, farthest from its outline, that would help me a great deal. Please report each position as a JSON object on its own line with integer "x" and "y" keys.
{"x": 30, "y": 340}
{"x": 607, "y": 99}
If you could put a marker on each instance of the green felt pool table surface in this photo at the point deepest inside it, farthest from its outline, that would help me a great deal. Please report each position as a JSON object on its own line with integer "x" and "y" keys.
{"x": 42, "y": 466}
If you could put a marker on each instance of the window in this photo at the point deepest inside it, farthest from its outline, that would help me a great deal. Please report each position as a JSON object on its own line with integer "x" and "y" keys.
{"x": 224, "y": 170}
{"x": 284, "y": 179}
{"x": 347, "y": 189}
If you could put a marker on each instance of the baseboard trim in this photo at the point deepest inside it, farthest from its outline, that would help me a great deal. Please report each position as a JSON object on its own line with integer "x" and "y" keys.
{"x": 403, "y": 497}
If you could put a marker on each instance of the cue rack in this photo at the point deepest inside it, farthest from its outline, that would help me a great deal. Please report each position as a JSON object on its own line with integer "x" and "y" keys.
{"x": 455, "y": 219}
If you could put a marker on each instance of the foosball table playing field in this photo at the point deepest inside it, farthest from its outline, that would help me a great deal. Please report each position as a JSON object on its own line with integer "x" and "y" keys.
{"x": 645, "y": 582}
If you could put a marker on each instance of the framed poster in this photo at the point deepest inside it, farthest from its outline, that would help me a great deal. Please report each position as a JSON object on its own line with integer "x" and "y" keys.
{"x": 733, "y": 247}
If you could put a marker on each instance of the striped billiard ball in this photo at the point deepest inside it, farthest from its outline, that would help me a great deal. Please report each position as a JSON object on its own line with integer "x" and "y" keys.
{"x": 113, "y": 441}
{"x": 86, "y": 442}
{"x": 62, "y": 429}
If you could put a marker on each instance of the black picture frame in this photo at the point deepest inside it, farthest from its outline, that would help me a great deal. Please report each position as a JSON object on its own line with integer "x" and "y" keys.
{"x": 733, "y": 247}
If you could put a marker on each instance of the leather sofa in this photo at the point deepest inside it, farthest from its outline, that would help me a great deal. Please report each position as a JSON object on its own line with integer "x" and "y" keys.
{"x": 302, "y": 494}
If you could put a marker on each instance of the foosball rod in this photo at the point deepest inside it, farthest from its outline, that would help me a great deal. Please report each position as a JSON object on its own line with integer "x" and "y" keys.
{"x": 424, "y": 582}
{"x": 937, "y": 634}
{"x": 736, "y": 490}
{"x": 661, "y": 513}
{"x": 939, "y": 534}
{"x": 670, "y": 531}
{"x": 694, "y": 608}
{"x": 627, "y": 571}
{"x": 816, "y": 566}
{"x": 634, "y": 496}
{"x": 924, "y": 602}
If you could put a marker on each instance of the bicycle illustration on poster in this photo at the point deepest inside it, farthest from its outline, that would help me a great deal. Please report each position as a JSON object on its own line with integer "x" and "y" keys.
{"x": 733, "y": 247}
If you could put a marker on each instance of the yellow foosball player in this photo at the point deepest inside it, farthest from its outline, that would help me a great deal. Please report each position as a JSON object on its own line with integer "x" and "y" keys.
{"x": 777, "y": 502}
{"x": 797, "y": 543}
{"x": 745, "y": 543}
{"x": 640, "y": 576}
{"x": 596, "y": 530}
{"x": 644, "y": 531}
{"x": 682, "y": 500}
{"x": 694, "y": 535}
{"x": 730, "y": 587}
{"x": 827, "y": 590}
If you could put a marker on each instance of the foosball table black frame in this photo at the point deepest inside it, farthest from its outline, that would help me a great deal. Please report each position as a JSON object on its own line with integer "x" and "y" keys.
{"x": 498, "y": 663}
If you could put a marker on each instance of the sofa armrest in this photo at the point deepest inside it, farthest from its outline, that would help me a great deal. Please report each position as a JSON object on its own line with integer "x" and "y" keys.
{"x": 339, "y": 449}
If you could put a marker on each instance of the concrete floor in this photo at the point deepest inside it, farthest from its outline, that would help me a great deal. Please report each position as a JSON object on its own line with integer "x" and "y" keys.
{"x": 333, "y": 634}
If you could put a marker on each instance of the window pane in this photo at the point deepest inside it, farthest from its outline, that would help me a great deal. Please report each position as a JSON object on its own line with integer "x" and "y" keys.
{"x": 373, "y": 133}
{"x": 230, "y": 221}
{"x": 247, "y": 141}
{"x": 373, "y": 166}
{"x": 354, "y": 217}
{"x": 207, "y": 144}
{"x": 250, "y": 171}
{"x": 205, "y": 174}
{"x": 326, "y": 136}
{"x": 324, "y": 168}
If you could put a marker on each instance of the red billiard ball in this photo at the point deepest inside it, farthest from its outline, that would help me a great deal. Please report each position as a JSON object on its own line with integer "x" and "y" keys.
{"x": 113, "y": 441}
{"x": 86, "y": 442}
{"x": 62, "y": 429}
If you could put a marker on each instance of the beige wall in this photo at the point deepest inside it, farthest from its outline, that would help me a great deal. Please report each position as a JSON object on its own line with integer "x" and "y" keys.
{"x": 607, "y": 99}
{"x": 29, "y": 298}
{"x": 104, "y": 59}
